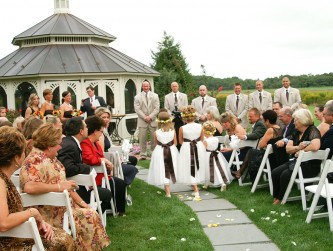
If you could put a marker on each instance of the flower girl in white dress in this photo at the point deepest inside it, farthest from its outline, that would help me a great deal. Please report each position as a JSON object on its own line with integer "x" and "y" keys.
{"x": 163, "y": 164}
{"x": 216, "y": 164}
{"x": 191, "y": 164}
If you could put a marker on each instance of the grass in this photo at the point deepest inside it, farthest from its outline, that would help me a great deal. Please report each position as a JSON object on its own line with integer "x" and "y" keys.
{"x": 153, "y": 215}
{"x": 168, "y": 221}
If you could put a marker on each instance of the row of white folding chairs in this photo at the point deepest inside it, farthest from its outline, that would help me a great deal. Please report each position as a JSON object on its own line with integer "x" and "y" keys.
{"x": 29, "y": 230}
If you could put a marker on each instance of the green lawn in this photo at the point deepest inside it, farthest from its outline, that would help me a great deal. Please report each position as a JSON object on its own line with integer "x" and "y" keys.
{"x": 152, "y": 215}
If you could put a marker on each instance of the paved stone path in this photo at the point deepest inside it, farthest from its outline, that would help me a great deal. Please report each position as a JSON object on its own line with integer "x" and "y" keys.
{"x": 227, "y": 227}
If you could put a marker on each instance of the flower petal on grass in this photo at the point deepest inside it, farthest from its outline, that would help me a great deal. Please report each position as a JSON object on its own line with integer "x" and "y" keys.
{"x": 273, "y": 212}
{"x": 183, "y": 239}
{"x": 192, "y": 219}
{"x": 283, "y": 214}
{"x": 275, "y": 220}
{"x": 294, "y": 243}
{"x": 267, "y": 218}
{"x": 252, "y": 210}
{"x": 159, "y": 192}
{"x": 152, "y": 238}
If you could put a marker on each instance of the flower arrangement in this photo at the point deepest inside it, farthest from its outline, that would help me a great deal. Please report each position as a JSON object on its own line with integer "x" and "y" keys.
{"x": 38, "y": 114}
{"x": 76, "y": 113}
{"x": 56, "y": 113}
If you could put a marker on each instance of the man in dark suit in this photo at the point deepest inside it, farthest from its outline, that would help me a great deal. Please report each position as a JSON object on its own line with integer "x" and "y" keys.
{"x": 90, "y": 104}
{"x": 70, "y": 156}
{"x": 327, "y": 138}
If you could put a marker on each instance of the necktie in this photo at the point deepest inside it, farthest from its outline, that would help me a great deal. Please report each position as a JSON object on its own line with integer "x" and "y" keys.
{"x": 176, "y": 99}
{"x": 237, "y": 101}
{"x": 285, "y": 131}
{"x": 147, "y": 98}
{"x": 203, "y": 102}
{"x": 91, "y": 100}
{"x": 260, "y": 97}
{"x": 287, "y": 95}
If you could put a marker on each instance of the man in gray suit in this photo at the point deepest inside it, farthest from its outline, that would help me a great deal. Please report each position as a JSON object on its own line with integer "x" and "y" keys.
{"x": 237, "y": 104}
{"x": 146, "y": 105}
{"x": 175, "y": 100}
{"x": 202, "y": 102}
{"x": 260, "y": 99}
{"x": 287, "y": 95}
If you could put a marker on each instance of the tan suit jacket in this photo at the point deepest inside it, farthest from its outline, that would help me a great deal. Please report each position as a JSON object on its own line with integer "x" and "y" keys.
{"x": 202, "y": 110}
{"x": 143, "y": 109}
{"x": 243, "y": 105}
{"x": 266, "y": 103}
{"x": 169, "y": 101}
{"x": 294, "y": 96}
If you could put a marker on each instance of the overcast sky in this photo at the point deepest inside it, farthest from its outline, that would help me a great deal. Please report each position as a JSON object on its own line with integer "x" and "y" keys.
{"x": 244, "y": 38}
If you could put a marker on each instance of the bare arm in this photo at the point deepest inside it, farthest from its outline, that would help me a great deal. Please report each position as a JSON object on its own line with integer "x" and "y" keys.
{"x": 180, "y": 136}
{"x": 267, "y": 136}
{"x": 28, "y": 112}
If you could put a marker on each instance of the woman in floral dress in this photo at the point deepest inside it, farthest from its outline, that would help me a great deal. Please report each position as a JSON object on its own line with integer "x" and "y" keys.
{"x": 41, "y": 172}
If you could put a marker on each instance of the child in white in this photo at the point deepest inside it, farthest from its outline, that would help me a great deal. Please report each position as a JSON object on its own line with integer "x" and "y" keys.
{"x": 216, "y": 164}
{"x": 165, "y": 155}
{"x": 192, "y": 152}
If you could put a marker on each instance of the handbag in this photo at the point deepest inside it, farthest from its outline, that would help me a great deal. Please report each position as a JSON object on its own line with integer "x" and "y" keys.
{"x": 291, "y": 164}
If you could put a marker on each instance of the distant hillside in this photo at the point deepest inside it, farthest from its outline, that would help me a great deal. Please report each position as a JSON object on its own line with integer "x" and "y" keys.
{"x": 301, "y": 81}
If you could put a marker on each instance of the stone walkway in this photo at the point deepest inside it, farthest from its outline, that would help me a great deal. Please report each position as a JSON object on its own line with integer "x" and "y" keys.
{"x": 227, "y": 227}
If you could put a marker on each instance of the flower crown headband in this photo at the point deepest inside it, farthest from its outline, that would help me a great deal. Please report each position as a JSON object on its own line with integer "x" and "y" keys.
{"x": 186, "y": 115}
{"x": 169, "y": 120}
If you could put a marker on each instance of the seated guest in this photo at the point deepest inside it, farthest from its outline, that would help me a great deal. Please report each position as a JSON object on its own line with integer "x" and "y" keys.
{"x": 129, "y": 170}
{"x": 54, "y": 120}
{"x": 307, "y": 138}
{"x": 70, "y": 156}
{"x": 41, "y": 172}
{"x": 273, "y": 134}
{"x": 12, "y": 144}
{"x": 327, "y": 138}
{"x": 323, "y": 126}
{"x": 30, "y": 126}
{"x": 286, "y": 116}
{"x": 93, "y": 155}
{"x": 230, "y": 125}
{"x": 18, "y": 122}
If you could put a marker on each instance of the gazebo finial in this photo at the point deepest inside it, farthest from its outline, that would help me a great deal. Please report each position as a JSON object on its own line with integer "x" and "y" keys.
{"x": 61, "y": 6}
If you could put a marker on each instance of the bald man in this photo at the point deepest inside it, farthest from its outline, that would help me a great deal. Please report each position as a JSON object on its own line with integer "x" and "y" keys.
{"x": 287, "y": 95}
{"x": 260, "y": 99}
{"x": 202, "y": 102}
{"x": 175, "y": 100}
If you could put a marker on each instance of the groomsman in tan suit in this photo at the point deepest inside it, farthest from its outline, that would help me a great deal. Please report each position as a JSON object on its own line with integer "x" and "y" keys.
{"x": 202, "y": 102}
{"x": 287, "y": 95}
{"x": 238, "y": 104}
{"x": 146, "y": 105}
{"x": 260, "y": 99}
{"x": 175, "y": 100}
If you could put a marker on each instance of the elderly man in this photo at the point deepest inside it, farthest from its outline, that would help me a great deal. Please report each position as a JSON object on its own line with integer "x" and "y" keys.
{"x": 202, "y": 102}
{"x": 286, "y": 116}
{"x": 260, "y": 99}
{"x": 287, "y": 95}
{"x": 237, "y": 104}
{"x": 146, "y": 105}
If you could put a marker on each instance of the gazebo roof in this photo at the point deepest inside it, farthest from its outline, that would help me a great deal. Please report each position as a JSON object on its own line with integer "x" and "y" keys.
{"x": 69, "y": 59}
{"x": 63, "y": 24}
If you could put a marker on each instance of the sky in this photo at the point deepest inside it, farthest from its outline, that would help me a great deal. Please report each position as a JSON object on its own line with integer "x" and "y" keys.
{"x": 253, "y": 39}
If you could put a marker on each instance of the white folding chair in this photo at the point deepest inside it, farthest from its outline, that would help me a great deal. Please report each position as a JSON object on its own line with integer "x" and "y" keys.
{"x": 234, "y": 160}
{"x": 89, "y": 181}
{"x": 106, "y": 184}
{"x": 323, "y": 189}
{"x": 302, "y": 157}
{"x": 27, "y": 229}
{"x": 221, "y": 139}
{"x": 15, "y": 178}
{"x": 267, "y": 170}
{"x": 53, "y": 199}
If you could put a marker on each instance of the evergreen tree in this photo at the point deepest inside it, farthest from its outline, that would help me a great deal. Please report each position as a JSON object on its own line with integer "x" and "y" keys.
{"x": 169, "y": 61}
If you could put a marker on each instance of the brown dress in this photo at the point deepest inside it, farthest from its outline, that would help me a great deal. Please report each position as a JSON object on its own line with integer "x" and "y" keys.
{"x": 61, "y": 240}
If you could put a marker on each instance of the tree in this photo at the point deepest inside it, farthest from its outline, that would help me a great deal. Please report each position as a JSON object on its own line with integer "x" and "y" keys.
{"x": 169, "y": 61}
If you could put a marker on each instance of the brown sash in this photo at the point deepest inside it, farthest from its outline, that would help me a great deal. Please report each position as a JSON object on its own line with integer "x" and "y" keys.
{"x": 213, "y": 156}
{"x": 194, "y": 155}
{"x": 169, "y": 171}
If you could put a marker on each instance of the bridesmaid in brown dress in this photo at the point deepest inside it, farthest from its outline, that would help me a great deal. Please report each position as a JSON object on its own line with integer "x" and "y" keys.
{"x": 12, "y": 146}
{"x": 47, "y": 107}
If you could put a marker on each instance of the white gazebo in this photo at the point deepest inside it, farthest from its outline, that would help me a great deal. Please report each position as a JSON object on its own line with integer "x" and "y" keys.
{"x": 64, "y": 53}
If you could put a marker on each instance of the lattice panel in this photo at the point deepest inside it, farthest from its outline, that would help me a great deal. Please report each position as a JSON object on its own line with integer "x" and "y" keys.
{"x": 4, "y": 86}
{"x": 111, "y": 85}
{"x": 54, "y": 85}
{"x": 73, "y": 85}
